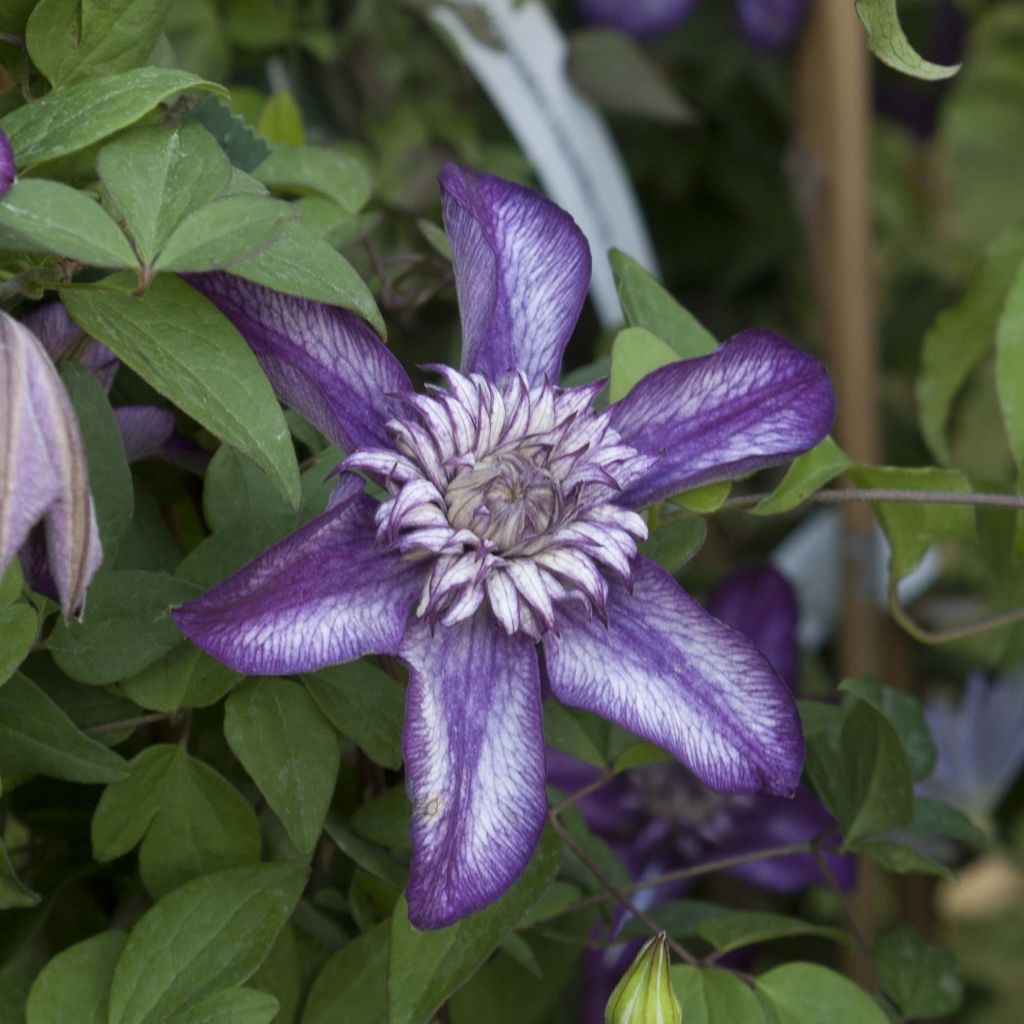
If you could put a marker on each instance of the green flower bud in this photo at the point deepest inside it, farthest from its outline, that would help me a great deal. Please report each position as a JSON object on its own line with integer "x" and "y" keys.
{"x": 644, "y": 995}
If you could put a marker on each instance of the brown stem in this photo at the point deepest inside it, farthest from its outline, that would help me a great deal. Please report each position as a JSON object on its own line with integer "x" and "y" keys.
{"x": 129, "y": 723}
{"x": 944, "y": 636}
{"x": 591, "y": 787}
{"x": 848, "y": 913}
{"x": 848, "y": 495}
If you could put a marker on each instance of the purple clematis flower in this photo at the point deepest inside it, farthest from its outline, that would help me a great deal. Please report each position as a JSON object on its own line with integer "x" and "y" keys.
{"x": 979, "y": 745}
{"x": 43, "y": 474}
{"x": 8, "y": 172}
{"x": 770, "y": 25}
{"x": 509, "y": 520}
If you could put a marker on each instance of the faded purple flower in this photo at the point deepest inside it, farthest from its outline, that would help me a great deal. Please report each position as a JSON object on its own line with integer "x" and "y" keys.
{"x": 43, "y": 473}
{"x": 979, "y": 745}
{"x": 770, "y": 24}
{"x": 509, "y": 519}
{"x": 60, "y": 336}
{"x": 639, "y": 18}
{"x": 8, "y": 172}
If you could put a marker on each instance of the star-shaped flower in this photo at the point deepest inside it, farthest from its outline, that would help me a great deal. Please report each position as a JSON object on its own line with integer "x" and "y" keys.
{"x": 510, "y": 522}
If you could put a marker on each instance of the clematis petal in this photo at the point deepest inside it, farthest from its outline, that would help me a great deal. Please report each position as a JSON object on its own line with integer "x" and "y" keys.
{"x": 321, "y": 359}
{"x": 667, "y": 671}
{"x": 757, "y": 401}
{"x": 760, "y": 603}
{"x": 326, "y": 594}
{"x": 474, "y": 754}
{"x": 144, "y": 428}
{"x": 770, "y": 24}
{"x": 522, "y": 269}
{"x": 42, "y": 467}
{"x": 52, "y": 325}
{"x": 8, "y": 172}
{"x": 639, "y": 18}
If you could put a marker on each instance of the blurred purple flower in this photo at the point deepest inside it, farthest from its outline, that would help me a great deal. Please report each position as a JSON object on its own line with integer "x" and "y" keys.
{"x": 509, "y": 519}
{"x": 979, "y": 745}
{"x": 8, "y": 172}
{"x": 766, "y": 24}
{"x": 43, "y": 475}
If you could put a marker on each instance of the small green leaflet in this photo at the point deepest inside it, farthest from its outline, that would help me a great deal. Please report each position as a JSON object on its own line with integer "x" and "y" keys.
{"x": 889, "y": 43}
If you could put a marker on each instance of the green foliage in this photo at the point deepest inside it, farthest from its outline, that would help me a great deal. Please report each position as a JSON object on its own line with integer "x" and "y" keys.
{"x": 75, "y": 984}
{"x": 889, "y": 42}
{"x": 708, "y": 995}
{"x": 807, "y": 473}
{"x": 636, "y": 352}
{"x": 922, "y": 980}
{"x": 800, "y": 993}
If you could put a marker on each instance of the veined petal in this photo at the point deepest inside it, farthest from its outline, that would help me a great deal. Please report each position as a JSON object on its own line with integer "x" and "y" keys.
{"x": 522, "y": 269}
{"x": 755, "y": 402}
{"x": 639, "y": 18}
{"x": 667, "y": 671}
{"x": 760, "y": 603}
{"x": 321, "y": 359}
{"x": 8, "y": 172}
{"x": 474, "y": 755}
{"x": 144, "y": 428}
{"x": 326, "y": 594}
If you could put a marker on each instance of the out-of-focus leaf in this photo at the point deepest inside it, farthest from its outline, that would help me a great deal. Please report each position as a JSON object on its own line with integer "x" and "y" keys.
{"x": 738, "y": 928}
{"x": 14, "y": 894}
{"x": 708, "y": 995}
{"x": 37, "y": 737}
{"x": 353, "y": 984}
{"x": 46, "y": 216}
{"x": 289, "y": 750}
{"x": 181, "y": 344}
{"x": 19, "y": 627}
{"x": 800, "y": 993}
{"x": 281, "y": 120}
{"x": 890, "y": 45}
{"x": 232, "y": 1006}
{"x": 209, "y": 935}
{"x": 807, "y": 473}
{"x": 923, "y": 980}
{"x": 616, "y": 72}
{"x": 67, "y": 120}
{"x": 427, "y": 967}
{"x": 75, "y": 984}
{"x": 73, "y": 40}
{"x": 306, "y": 170}
{"x": 1010, "y": 378}
{"x": 244, "y": 148}
{"x": 646, "y": 303}
{"x": 901, "y": 859}
{"x": 934, "y": 818}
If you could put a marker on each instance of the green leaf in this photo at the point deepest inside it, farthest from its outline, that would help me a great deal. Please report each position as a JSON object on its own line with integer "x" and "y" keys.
{"x": 806, "y": 475}
{"x": 877, "y": 792}
{"x": 281, "y": 120}
{"x": 575, "y": 732}
{"x": 675, "y": 541}
{"x": 11, "y": 583}
{"x": 14, "y": 894}
{"x": 738, "y": 928}
{"x": 385, "y": 819}
{"x": 912, "y": 528}
{"x": 636, "y": 352}
{"x": 46, "y": 216}
{"x": 190, "y": 820}
{"x": 19, "y": 628}
{"x": 72, "y": 40}
{"x": 646, "y": 303}
{"x": 704, "y": 500}
{"x": 236, "y": 490}
{"x": 225, "y": 232}
{"x": 364, "y": 704}
{"x": 901, "y": 859}
{"x": 353, "y": 984}
{"x": 36, "y": 736}
{"x": 184, "y": 677}
{"x": 209, "y": 935}
{"x": 799, "y": 993}
{"x": 110, "y": 479}
{"x": 232, "y": 1006}
{"x": 905, "y": 714}
{"x": 1010, "y": 376}
{"x": 961, "y": 336}
{"x": 923, "y": 980}
{"x": 74, "y": 985}
{"x": 709, "y": 995}
{"x": 306, "y": 170}
{"x": 284, "y": 973}
{"x": 618, "y": 74}
{"x": 303, "y": 264}
{"x": 934, "y": 818}
{"x": 181, "y": 344}
{"x": 70, "y": 119}
{"x": 245, "y": 149}
{"x": 289, "y": 750}
{"x": 427, "y": 967}
{"x": 369, "y": 856}
{"x": 127, "y": 626}
{"x": 157, "y": 176}
{"x": 889, "y": 43}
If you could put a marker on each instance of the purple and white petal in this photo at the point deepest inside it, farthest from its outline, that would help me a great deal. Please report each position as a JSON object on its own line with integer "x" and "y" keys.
{"x": 640, "y": 18}
{"x": 8, "y": 172}
{"x": 770, "y": 24}
{"x": 59, "y": 334}
{"x": 760, "y": 603}
{"x": 43, "y": 471}
{"x": 144, "y": 429}
{"x": 756, "y": 401}
{"x": 522, "y": 270}
{"x": 321, "y": 359}
{"x": 667, "y": 671}
{"x": 474, "y": 755}
{"x": 326, "y": 594}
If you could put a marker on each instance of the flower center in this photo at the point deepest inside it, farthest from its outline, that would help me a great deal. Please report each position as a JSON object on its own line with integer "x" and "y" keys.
{"x": 512, "y": 493}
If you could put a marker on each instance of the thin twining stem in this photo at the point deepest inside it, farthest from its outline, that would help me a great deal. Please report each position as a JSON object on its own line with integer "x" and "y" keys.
{"x": 129, "y": 723}
{"x": 591, "y": 787}
{"x": 848, "y": 495}
{"x": 614, "y": 892}
{"x": 945, "y": 636}
{"x": 851, "y": 918}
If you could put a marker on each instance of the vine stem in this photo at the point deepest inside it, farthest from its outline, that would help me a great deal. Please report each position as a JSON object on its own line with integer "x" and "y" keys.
{"x": 848, "y": 913}
{"x": 848, "y": 495}
{"x": 129, "y": 723}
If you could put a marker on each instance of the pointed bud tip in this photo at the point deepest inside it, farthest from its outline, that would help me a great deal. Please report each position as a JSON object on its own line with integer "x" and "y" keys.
{"x": 645, "y": 995}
